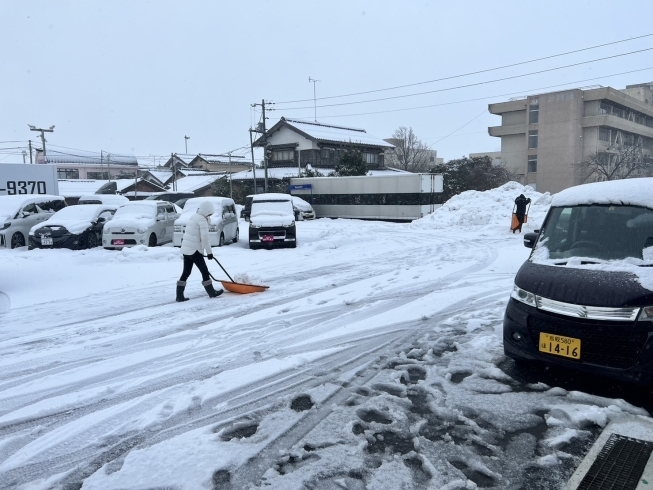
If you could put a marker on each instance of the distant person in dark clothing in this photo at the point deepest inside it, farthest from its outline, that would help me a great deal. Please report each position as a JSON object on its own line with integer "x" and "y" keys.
{"x": 520, "y": 211}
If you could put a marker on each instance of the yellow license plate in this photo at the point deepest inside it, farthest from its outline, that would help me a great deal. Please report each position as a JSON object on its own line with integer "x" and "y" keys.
{"x": 559, "y": 345}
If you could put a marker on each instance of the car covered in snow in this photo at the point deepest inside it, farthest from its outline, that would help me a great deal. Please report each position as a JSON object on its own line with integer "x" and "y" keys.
{"x": 141, "y": 223}
{"x": 223, "y": 223}
{"x": 584, "y": 298}
{"x": 272, "y": 221}
{"x": 103, "y": 199}
{"x": 74, "y": 227}
{"x": 303, "y": 210}
{"x": 18, "y": 214}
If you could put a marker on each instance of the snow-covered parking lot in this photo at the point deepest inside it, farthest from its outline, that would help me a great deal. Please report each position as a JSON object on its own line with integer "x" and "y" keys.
{"x": 374, "y": 361}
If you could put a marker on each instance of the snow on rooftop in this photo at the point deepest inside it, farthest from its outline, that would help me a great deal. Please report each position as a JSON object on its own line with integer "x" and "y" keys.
{"x": 637, "y": 192}
{"x": 78, "y": 188}
{"x": 192, "y": 183}
{"x": 89, "y": 157}
{"x": 324, "y": 132}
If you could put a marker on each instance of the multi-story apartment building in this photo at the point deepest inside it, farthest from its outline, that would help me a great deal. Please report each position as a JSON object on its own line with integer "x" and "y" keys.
{"x": 544, "y": 137}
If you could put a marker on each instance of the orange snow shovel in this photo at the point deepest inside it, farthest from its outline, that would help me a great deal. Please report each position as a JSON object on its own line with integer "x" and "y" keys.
{"x": 236, "y": 287}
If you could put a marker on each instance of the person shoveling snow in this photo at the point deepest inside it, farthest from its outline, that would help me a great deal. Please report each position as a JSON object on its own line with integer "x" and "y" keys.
{"x": 194, "y": 242}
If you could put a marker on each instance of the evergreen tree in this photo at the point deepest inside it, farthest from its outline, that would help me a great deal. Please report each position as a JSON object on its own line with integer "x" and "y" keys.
{"x": 351, "y": 163}
{"x": 477, "y": 173}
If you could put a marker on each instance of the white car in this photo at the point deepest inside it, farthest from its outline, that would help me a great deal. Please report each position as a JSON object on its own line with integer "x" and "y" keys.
{"x": 141, "y": 223}
{"x": 73, "y": 227}
{"x": 223, "y": 223}
{"x": 303, "y": 210}
{"x": 19, "y": 213}
{"x": 103, "y": 199}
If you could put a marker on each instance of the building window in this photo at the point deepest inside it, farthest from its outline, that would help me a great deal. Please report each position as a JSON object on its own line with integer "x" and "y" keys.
{"x": 98, "y": 175}
{"x": 604, "y": 134}
{"x": 532, "y": 139}
{"x": 326, "y": 156}
{"x": 534, "y": 114}
{"x": 67, "y": 173}
{"x": 283, "y": 155}
{"x": 370, "y": 158}
{"x": 532, "y": 164}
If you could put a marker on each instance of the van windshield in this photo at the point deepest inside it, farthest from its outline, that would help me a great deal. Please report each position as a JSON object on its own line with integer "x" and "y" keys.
{"x": 605, "y": 232}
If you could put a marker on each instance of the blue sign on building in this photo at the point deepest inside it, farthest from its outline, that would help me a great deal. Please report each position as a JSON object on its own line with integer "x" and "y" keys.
{"x": 300, "y": 187}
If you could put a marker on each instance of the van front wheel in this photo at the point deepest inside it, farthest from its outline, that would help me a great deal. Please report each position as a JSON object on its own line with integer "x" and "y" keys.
{"x": 17, "y": 240}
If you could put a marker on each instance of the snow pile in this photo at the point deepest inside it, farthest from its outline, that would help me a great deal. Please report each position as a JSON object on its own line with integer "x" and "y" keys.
{"x": 488, "y": 211}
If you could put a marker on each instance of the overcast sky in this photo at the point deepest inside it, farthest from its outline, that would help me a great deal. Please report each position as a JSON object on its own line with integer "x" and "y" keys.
{"x": 136, "y": 77}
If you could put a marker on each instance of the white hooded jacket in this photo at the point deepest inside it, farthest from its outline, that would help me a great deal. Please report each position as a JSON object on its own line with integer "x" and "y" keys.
{"x": 196, "y": 234}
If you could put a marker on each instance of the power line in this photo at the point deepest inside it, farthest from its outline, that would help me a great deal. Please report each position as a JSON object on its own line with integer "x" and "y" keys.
{"x": 478, "y": 83}
{"x": 470, "y": 73}
{"x": 530, "y": 91}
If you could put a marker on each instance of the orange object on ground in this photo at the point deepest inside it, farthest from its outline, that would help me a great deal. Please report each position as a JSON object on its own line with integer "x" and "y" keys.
{"x": 514, "y": 224}
{"x": 236, "y": 287}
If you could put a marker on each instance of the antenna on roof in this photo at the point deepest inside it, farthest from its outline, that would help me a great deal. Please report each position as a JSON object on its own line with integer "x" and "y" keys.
{"x": 314, "y": 106}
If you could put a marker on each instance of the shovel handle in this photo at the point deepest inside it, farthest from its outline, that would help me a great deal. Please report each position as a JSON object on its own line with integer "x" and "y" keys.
{"x": 223, "y": 269}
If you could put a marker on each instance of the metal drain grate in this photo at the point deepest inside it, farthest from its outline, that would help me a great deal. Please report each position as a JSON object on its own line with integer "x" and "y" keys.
{"x": 619, "y": 465}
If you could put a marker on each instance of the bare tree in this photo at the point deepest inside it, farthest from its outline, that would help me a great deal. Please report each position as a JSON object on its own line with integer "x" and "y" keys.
{"x": 626, "y": 161}
{"x": 409, "y": 153}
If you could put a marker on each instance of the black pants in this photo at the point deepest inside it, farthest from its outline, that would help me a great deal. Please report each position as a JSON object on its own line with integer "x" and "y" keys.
{"x": 198, "y": 260}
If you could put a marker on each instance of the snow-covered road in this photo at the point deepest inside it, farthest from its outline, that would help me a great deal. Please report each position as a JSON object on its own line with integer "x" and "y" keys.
{"x": 373, "y": 361}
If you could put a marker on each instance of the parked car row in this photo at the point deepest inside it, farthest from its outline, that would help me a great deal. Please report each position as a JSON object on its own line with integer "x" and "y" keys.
{"x": 114, "y": 222}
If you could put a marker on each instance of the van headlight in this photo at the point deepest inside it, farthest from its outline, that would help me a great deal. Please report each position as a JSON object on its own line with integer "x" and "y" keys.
{"x": 141, "y": 230}
{"x": 6, "y": 225}
{"x": 106, "y": 230}
{"x": 523, "y": 296}
{"x": 645, "y": 314}
{"x": 213, "y": 228}
{"x": 177, "y": 228}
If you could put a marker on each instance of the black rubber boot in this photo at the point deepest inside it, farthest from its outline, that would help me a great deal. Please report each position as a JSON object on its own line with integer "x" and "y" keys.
{"x": 181, "y": 285}
{"x": 208, "y": 285}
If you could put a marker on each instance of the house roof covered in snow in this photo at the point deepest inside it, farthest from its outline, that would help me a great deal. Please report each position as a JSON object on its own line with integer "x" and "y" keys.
{"x": 316, "y": 131}
{"x": 87, "y": 157}
{"x": 193, "y": 183}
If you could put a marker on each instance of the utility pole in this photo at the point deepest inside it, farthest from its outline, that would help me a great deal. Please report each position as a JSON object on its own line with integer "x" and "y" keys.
{"x": 186, "y": 138}
{"x": 173, "y": 164}
{"x": 24, "y": 155}
{"x": 265, "y": 143}
{"x": 314, "y": 103}
{"x": 231, "y": 190}
{"x": 251, "y": 147}
{"x": 30, "y": 151}
{"x": 102, "y": 163}
{"x": 41, "y": 130}
{"x": 109, "y": 165}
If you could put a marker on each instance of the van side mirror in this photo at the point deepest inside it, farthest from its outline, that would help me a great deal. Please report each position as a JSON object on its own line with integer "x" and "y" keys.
{"x": 529, "y": 239}
{"x": 101, "y": 219}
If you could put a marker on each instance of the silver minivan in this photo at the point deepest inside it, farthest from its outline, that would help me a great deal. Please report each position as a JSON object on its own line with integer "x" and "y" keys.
{"x": 223, "y": 224}
{"x": 18, "y": 214}
{"x": 140, "y": 223}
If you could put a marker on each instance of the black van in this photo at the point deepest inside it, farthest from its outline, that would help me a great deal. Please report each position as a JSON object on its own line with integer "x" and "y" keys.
{"x": 584, "y": 297}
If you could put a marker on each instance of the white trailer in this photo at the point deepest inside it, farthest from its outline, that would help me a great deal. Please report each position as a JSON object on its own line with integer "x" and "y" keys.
{"x": 399, "y": 197}
{"x": 16, "y": 179}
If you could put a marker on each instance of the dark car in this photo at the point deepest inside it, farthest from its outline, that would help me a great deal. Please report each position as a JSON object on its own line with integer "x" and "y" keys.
{"x": 74, "y": 227}
{"x": 579, "y": 301}
{"x": 272, "y": 222}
